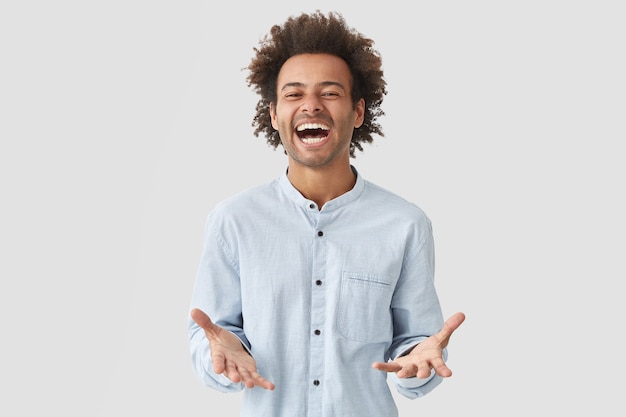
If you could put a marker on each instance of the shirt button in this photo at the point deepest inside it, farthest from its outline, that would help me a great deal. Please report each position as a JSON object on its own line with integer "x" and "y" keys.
{"x": 317, "y": 332}
{"x": 316, "y": 382}
{"x": 311, "y": 206}
{"x": 318, "y": 282}
{"x": 320, "y": 233}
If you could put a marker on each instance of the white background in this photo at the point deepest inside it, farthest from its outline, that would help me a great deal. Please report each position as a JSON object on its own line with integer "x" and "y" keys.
{"x": 122, "y": 123}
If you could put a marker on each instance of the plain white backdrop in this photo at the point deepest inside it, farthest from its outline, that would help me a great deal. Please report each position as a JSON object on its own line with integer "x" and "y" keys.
{"x": 122, "y": 123}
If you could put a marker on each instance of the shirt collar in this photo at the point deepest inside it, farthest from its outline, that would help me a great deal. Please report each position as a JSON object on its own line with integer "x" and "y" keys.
{"x": 297, "y": 198}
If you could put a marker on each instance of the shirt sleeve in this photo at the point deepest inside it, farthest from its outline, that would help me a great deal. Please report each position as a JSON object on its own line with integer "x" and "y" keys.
{"x": 416, "y": 309}
{"x": 217, "y": 292}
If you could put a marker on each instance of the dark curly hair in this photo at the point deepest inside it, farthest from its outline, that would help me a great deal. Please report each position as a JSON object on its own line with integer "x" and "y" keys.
{"x": 318, "y": 33}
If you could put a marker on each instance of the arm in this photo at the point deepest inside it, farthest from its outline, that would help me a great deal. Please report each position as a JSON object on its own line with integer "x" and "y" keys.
{"x": 218, "y": 345}
{"x": 418, "y": 351}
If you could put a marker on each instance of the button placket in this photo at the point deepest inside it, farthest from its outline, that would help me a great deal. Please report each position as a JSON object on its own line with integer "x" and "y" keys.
{"x": 318, "y": 309}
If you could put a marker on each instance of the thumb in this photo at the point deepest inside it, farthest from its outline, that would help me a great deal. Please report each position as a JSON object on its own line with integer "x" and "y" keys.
{"x": 451, "y": 325}
{"x": 202, "y": 319}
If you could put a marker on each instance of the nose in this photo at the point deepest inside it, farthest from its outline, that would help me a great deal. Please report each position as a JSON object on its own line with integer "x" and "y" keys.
{"x": 311, "y": 104}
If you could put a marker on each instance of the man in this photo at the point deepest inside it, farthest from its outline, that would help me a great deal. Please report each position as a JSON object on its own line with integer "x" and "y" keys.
{"x": 315, "y": 287}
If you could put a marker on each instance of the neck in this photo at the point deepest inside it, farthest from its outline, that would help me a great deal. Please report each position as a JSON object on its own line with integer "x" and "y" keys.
{"x": 321, "y": 184}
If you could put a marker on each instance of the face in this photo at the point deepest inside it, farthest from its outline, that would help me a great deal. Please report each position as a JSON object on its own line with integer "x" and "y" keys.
{"x": 314, "y": 113}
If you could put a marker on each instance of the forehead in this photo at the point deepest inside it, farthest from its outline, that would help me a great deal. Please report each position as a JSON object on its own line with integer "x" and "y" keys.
{"x": 312, "y": 69}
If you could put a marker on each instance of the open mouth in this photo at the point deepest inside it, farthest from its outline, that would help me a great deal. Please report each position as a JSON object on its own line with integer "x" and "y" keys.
{"x": 311, "y": 133}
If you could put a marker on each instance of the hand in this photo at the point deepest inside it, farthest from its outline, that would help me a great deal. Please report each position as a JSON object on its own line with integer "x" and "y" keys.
{"x": 228, "y": 355}
{"x": 426, "y": 355}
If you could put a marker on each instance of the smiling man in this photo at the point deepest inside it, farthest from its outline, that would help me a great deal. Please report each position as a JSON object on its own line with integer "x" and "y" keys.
{"x": 314, "y": 288}
{"x": 315, "y": 116}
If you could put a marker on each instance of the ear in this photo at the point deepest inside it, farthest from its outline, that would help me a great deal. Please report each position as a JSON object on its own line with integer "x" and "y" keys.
{"x": 273, "y": 115}
{"x": 359, "y": 112}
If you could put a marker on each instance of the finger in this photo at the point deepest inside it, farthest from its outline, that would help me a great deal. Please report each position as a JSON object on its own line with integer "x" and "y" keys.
{"x": 202, "y": 320}
{"x": 232, "y": 373}
{"x": 387, "y": 366}
{"x": 451, "y": 325}
{"x": 246, "y": 378}
{"x": 219, "y": 362}
{"x": 408, "y": 371}
{"x": 423, "y": 372}
{"x": 262, "y": 382}
{"x": 455, "y": 321}
{"x": 441, "y": 368}
{"x": 251, "y": 379}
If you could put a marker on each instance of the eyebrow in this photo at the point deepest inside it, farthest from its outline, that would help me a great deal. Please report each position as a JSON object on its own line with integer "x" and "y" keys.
{"x": 322, "y": 84}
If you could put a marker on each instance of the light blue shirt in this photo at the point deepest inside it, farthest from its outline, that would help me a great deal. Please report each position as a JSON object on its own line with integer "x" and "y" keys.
{"x": 317, "y": 296}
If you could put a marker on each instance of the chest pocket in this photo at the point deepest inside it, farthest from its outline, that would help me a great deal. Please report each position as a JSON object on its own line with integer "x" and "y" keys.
{"x": 364, "y": 311}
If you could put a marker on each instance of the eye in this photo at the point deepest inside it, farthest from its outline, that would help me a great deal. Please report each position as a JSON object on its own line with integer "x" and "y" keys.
{"x": 330, "y": 94}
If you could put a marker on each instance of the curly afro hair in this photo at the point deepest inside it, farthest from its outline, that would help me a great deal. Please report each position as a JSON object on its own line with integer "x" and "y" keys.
{"x": 318, "y": 33}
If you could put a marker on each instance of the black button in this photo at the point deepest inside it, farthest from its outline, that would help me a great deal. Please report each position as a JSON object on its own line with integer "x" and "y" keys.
{"x": 312, "y": 205}
{"x": 318, "y": 282}
{"x": 317, "y": 332}
{"x": 316, "y": 382}
{"x": 320, "y": 233}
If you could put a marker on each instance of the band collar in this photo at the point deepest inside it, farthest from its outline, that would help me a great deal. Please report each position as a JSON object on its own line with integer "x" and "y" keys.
{"x": 294, "y": 195}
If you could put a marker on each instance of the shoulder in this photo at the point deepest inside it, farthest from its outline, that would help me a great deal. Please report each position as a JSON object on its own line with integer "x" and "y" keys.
{"x": 246, "y": 202}
{"x": 394, "y": 204}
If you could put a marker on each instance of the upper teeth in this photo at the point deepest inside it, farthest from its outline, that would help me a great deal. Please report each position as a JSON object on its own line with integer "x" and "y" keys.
{"x": 306, "y": 126}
